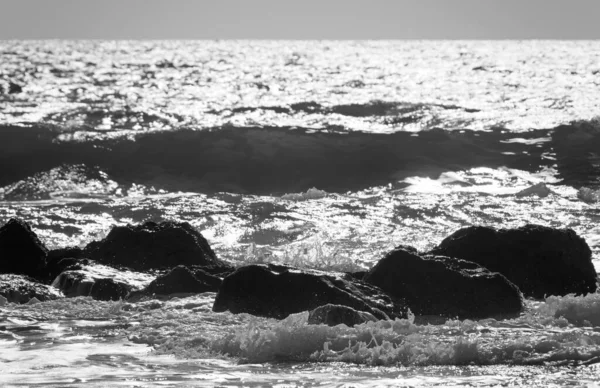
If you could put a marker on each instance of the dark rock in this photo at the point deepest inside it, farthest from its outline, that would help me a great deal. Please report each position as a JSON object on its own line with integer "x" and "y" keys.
{"x": 539, "y": 260}
{"x": 65, "y": 253}
{"x": 108, "y": 289}
{"x": 21, "y": 252}
{"x": 99, "y": 282}
{"x": 153, "y": 246}
{"x": 60, "y": 260}
{"x": 77, "y": 283}
{"x": 277, "y": 291}
{"x": 333, "y": 315}
{"x": 180, "y": 280}
{"x": 73, "y": 283}
{"x": 444, "y": 286}
{"x": 21, "y": 289}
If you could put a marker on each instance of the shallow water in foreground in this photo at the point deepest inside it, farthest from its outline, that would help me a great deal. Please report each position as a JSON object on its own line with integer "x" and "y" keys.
{"x": 83, "y": 342}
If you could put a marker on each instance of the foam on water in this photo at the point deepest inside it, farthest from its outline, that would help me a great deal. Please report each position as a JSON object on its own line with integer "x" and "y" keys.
{"x": 109, "y": 338}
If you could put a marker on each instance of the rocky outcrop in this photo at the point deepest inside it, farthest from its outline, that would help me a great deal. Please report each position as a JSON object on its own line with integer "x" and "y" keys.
{"x": 60, "y": 260}
{"x": 333, "y": 315}
{"x": 76, "y": 283}
{"x": 278, "y": 291}
{"x": 444, "y": 286}
{"x": 153, "y": 246}
{"x": 109, "y": 289}
{"x": 540, "y": 260}
{"x": 22, "y": 289}
{"x": 21, "y": 252}
{"x": 99, "y": 282}
{"x": 180, "y": 280}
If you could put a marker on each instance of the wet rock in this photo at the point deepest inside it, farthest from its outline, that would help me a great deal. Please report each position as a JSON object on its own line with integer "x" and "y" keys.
{"x": 21, "y": 289}
{"x": 21, "y": 252}
{"x": 333, "y": 315}
{"x": 277, "y": 291}
{"x": 444, "y": 286}
{"x": 100, "y": 282}
{"x": 73, "y": 283}
{"x": 539, "y": 260}
{"x": 76, "y": 283}
{"x": 180, "y": 280}
{"x": 153, "y": 246}
{"x": 60, "y": 260}
{"x": 109, "y": 289}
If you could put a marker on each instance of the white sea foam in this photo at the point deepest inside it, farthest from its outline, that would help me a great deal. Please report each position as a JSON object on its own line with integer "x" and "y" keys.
{"x": 93, "y": 334}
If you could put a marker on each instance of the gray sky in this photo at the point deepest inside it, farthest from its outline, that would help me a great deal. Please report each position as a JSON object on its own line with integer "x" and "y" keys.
{"x": 300, "y": 19}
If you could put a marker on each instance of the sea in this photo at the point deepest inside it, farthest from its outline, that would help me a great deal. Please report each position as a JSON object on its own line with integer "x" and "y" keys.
{"x": 316, "y": 154}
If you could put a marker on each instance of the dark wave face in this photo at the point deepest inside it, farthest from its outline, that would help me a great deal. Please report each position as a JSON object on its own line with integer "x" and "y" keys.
{"x": 96, "y": 118}
{"x": 282, "y": 160}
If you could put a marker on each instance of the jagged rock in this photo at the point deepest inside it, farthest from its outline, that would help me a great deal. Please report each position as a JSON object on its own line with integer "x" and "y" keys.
{"x": 100, "y": 282}
{"x": 21, "y": 252}
{"x": 540, "y": 260}
{"x": 278, "y": 291}
{"x": 444, "y": 286}
{"x": 21, "y": 289}
{"x": 333, "y": 315}
{"x": 180, "y": 280}
{"x": 153, "y": 246}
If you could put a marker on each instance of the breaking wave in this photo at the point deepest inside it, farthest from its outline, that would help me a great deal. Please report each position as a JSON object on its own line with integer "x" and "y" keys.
{"x": 559, "y": 330}
{"x": 280, "y": 160}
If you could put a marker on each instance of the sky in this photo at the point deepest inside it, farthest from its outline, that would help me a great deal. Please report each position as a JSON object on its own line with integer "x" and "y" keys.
{"x": 301, "y": 19}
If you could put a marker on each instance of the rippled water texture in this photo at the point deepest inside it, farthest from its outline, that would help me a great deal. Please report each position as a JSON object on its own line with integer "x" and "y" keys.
{"x": 151, "y": 85}
{"x": 315, "y": 154}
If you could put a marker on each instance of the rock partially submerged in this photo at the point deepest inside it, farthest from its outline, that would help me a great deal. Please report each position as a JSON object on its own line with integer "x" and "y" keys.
{"x": 100, "y": 282}
{"x": 444, "y": 286}
{"x": 60, "y": 260}
{"x": 334, "y": 314}
{"x": 278, "y": 291}
{"x": 22, "y": 289}
{"x": 541, "y": 261}
{"x": 180, "y": 280}
{"x": 76, "y": 283}
{"x": 21, "y": 251}
{"x": 153, "y": 246}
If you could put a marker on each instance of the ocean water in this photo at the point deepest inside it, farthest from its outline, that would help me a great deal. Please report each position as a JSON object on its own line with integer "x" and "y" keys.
{"x": 316, "y": 154}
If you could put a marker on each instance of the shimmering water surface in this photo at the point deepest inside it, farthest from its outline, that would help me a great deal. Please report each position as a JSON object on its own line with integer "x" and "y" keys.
{"x": 317, "y": 154}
